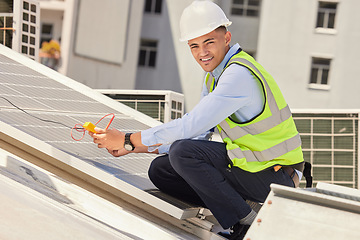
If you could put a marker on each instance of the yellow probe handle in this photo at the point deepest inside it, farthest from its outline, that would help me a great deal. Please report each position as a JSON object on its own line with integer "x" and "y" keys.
{"x": 89, "y": 126}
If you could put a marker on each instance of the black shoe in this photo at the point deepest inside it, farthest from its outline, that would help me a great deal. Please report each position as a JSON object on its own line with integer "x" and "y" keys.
{"x": 239, "y": 231}
{"x": 224, "y": 234}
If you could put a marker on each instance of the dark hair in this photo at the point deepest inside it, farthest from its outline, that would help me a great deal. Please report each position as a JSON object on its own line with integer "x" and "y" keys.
{"x": 221, "y": 28}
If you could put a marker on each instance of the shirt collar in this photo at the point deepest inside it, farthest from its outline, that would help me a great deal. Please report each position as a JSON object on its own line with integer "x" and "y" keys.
{"x": 218, "y": 70}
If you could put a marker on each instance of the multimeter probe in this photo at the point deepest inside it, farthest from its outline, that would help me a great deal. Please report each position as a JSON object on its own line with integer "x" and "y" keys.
{"x": 90, "y": 126}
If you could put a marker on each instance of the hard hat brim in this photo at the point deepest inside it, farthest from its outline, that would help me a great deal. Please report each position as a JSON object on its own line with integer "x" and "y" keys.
{"x": 202, "y": 32}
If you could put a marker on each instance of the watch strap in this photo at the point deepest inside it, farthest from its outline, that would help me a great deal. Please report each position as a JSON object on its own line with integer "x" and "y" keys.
{"x": 127, "y": 141}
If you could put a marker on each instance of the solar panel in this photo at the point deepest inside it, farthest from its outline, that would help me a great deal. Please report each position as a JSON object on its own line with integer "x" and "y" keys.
{"x": 47, "y": 95}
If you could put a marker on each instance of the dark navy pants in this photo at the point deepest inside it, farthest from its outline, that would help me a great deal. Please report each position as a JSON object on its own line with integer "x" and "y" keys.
{"x": 197, "y": 172}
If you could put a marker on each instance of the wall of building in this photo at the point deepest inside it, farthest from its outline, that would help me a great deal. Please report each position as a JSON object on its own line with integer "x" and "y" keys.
{"x": 165, "y": 75}
{"x": 190, "y": 73}
{"x": 288, "y": 41}
{"x": 101, "y": 74}
{"x": 174, "y": 61}
{"x": 283, "y": 39}
{"x": 244, "y": 30}
{"x": 55, "y": 18}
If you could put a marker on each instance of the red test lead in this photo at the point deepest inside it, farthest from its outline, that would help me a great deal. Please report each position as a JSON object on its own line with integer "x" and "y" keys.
{"x": 90, "y": 126}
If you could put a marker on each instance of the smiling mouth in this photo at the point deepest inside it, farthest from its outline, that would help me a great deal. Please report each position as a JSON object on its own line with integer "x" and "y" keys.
{"x": 205, "y": 60}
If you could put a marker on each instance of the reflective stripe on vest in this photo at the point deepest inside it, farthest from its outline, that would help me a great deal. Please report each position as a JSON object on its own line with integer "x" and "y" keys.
{"x": 268, "y": 154}
{"x": 278, "y": 116}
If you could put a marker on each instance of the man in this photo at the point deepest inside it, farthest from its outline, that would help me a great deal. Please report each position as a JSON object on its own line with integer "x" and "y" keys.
{"x": 260, "y": 142}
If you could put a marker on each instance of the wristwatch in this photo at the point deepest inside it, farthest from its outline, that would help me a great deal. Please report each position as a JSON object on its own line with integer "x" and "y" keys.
{"x": 127, "y": 143}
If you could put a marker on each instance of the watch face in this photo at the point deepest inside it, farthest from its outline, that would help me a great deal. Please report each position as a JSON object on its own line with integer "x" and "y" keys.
{"x": 127, "y": 143}
{"x": 128, "y": 147}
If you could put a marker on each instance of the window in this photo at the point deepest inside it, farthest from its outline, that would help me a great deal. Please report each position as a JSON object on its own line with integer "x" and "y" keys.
{"x": 6, "y": 30}
{"x": 176, "y": 109}
{"x": 320, "y": 71}
{"x": 326, "y": 15}
{"x": 153, "y": 6}
{"x": 46, "y": 32}
{"x": 6, "y": 6}
{"x": 29, "y": 44}
{"x": 6, "y": 22}
{"x": 147, "y": 56}
{"x": 245, "y": 8}
{"x": 25, "y": 20}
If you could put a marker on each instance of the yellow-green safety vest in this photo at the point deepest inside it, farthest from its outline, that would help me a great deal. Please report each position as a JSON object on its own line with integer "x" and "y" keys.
{"x": 269, "y": 139}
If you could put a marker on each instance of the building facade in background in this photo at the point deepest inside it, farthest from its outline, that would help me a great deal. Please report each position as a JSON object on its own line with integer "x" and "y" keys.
{"x": 20, "y": 26}
{"x": 309, "y": 46}
{"x": 311, "y": 49}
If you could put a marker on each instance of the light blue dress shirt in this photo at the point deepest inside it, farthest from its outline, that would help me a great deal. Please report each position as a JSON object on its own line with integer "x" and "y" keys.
{"x": 238, "y": 93}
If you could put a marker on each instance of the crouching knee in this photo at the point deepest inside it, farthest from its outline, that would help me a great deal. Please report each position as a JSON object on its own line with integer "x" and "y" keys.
{"x": 180, "y": 154}
{"x": 157, "y": 170}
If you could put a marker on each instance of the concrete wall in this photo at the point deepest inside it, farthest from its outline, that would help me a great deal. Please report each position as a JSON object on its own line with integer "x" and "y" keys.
{"x": 165, "y": 76}
{"x": 175, "y": 70}
{"x": 288, "y": 41}
{"x": 244, "y": 30}
{"x": 101, "y": 74}
{"x": 54, "y": 17}
{"x": 190, "y": 73}
{"x": 283, "y": 39}
{"x": 174, "y": 61}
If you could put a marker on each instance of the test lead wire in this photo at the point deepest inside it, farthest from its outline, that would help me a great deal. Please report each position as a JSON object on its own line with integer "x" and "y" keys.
{"x": 78, "y": 127}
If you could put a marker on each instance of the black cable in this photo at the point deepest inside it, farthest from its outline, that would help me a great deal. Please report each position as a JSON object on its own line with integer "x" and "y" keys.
{"x": 41, "y": 119}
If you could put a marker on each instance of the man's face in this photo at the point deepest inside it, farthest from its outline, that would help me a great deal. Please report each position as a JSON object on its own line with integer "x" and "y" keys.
{"x": 210, "y": 49}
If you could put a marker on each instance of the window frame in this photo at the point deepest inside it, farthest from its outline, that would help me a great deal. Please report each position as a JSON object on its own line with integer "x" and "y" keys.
{"x": 245, "y": 8}
{"x": 6, "y": 31}
{"x": 326, "y": 11}
{"x": 26, "y": 21}
{"x": 148, "y": 51}
{"x": 153, "y": 6}
{"x": 319, "y": 66}
{"x": 46, "y": 36}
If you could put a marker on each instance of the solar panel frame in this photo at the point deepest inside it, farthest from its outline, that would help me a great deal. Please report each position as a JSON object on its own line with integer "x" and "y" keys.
{"x": 47, "y": 94}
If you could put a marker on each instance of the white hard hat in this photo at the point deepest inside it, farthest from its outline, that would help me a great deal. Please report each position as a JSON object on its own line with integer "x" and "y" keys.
{"x": 200, "y": 18}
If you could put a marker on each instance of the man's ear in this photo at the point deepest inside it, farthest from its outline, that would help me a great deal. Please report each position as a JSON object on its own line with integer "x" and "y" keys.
{"x": 228, "y": 37}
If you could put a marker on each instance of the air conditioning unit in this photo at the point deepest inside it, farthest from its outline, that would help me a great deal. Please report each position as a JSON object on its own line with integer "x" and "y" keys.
{"x": 162, "y": 105}
{"x": 330, "y": 142}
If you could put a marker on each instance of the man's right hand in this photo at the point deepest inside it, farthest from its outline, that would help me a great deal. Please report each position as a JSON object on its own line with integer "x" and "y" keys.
{"x": 118, "y": 153}
{"x": 111, "y": 139}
